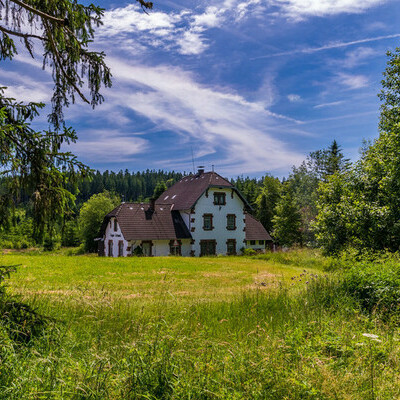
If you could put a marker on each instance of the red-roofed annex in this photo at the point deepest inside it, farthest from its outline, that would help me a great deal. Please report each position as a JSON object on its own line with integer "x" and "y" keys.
{"x": 202, "y": 214}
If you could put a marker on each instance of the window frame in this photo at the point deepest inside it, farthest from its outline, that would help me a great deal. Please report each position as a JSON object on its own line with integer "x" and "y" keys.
{"x": 110, "y": 248}
{"x": 217, "y": 198}
{"x": 175, "y": 250}
{"x": 206, "y": 243}
{"x": 115, "y": 225}
{"x": 211, "y": 216}
{"x": 230, "y": 242}
{"x": 120, "y": 248}
{"x": 232, "y": 228}
{"x": 252, "y": 242}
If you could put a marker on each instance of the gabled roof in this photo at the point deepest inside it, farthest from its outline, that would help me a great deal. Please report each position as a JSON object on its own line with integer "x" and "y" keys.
{"x": 185, "y": 193}
{"x": 163, "y": 224}
{"x": 255, "y": 230}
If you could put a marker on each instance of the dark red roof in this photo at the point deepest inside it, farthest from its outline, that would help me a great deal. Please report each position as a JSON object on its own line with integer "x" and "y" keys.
{"x": 255, "y": 230}
{"x": 185, "y": 193}
{"x": 163, "y": 223}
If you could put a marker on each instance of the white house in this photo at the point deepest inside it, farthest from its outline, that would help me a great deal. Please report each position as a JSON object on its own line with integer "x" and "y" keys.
{"x": 202, "y": 214}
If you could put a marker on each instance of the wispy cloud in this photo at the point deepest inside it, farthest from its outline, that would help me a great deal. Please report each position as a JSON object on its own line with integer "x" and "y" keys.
{"x": 331, "y": 104}
{"x": 294, "y": 98}
{"x": 109, "y": 146}
{"x": 329, "y": 46}
{"x": 299, "y": 9}
{"x": 359, "y": 56}
{"x": 352, "y": 81}
{"x": 240, "y": 131}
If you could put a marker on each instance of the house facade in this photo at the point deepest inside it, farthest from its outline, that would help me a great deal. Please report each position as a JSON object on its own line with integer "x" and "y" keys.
{"x": 202, "y": 214}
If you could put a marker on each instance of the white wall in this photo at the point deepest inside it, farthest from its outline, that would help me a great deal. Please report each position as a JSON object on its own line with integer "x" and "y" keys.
{"x": 257, "y": 246}
{"x": 205, "y": 205}
{"x": 161, "y": 247}
{"x": 115, "y": 236}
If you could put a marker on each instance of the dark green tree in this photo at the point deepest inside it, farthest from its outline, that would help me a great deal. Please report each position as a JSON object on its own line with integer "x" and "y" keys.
{"x": 267, "y": 201}
{"x": 63, "y": 30}
{"x": 160, "y": 188}
{"x": 368, "y": 207}
{"x": 287, "y": 219}
{"x": 91, "y": 217}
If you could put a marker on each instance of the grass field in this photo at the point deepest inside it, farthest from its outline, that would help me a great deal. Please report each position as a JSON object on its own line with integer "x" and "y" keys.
{"x": 185, "y": 328}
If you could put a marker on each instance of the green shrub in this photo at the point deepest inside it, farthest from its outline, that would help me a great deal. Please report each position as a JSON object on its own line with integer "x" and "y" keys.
{"x": 375, "y": 286}
{"x": 249, "y": 252}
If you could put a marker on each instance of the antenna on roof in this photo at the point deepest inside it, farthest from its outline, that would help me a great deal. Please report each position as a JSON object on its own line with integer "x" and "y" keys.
{"x": 194, "y": 170}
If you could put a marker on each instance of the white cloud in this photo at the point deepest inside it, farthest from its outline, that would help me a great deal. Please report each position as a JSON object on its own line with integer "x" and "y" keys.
{"x": 359, "y": 56}
{"x": 218, "y": 121}
{"x": 299, "y": 9}
{"x": 352, "y": 81}
{"x": 191, "y": 43}
{"x": 184, "y": 32}
{"x": 294, "y": 98}
{"x": 109, "y": 146}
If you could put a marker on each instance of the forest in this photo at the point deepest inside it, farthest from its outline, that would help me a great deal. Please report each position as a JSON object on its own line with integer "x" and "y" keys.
{"x": 317, "y": 320}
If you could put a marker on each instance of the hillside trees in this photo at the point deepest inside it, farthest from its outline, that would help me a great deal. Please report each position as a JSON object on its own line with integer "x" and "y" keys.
{"x": 369, "y": 194}
{"x": 62, "y": 30}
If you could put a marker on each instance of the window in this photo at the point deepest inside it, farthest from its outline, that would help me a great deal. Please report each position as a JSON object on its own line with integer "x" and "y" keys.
{"x": 252, "y": 242}
{"x": 219, "y": 198}
{"x": 207, "y": 247}
{"x": 208, "y": 222}
{"x": 175, "y": 247}
{"x": 115, "y": 225}
{"x": 120, "y": 248}
{"x": 231, "y": 247}
{"x": 261, "y": 242}
{"x": 110, "y": 248}
{"x": 231, "y": 222}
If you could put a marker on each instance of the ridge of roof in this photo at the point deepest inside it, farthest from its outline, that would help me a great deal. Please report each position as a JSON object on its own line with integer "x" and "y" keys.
{"x": 185, "y": 193}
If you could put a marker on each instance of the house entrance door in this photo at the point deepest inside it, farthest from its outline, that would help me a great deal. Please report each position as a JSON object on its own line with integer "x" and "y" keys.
{"x": 208, "y": 247}
{"x": 146, "y": 246}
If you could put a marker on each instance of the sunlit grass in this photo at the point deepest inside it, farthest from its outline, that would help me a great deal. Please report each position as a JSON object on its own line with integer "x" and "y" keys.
{"x": 188, "y": 328}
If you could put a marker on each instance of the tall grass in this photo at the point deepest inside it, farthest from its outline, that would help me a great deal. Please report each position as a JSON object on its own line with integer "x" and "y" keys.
{"x": 300, "y": 338}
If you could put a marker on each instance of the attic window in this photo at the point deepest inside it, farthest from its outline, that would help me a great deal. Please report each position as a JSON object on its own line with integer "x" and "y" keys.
{"x": 115, "y": 225}
{"x": 173, "y": 196}
{"x": 219, "y": 198}
{"x": 166, "y": 197}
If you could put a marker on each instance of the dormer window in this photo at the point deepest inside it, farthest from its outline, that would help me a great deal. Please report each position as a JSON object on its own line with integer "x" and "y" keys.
{"x": 219, "y": 198}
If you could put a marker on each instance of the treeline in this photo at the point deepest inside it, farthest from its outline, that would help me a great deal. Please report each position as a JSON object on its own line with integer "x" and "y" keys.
{"x": 129, "y": 186}
{"x": 288, "y": 208}
{"x": 18, "y": 223}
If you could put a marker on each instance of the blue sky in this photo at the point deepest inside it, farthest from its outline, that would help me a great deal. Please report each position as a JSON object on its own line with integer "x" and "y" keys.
{"x": 250, "y": 86}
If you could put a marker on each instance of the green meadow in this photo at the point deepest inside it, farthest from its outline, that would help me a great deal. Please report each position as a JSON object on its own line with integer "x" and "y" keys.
{"x": 268, "y": 327}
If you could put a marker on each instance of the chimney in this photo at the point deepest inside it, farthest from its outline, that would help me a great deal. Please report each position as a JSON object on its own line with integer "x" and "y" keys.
{"x": 150, "y": 211}
{"x": 200, "y": 170}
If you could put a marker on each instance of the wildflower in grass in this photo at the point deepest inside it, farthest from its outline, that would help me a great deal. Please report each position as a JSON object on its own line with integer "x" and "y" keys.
{"x": 372, "y": 337}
